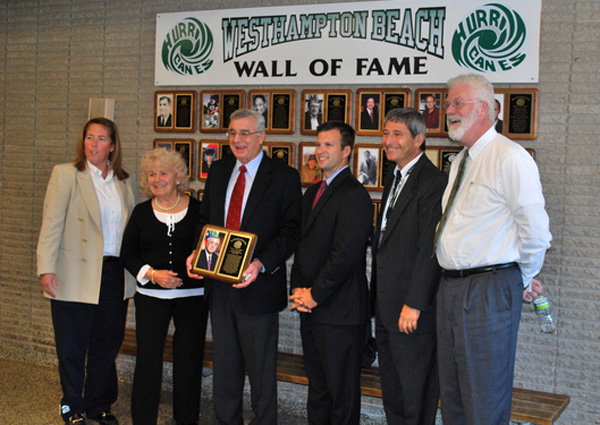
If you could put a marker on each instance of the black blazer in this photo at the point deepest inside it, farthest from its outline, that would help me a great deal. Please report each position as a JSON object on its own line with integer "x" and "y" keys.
{"x": 203, "y": 262}
{"x": 331, "y": 256}
{"x": 403, "y": 270}
{"x": 145, "y": 241}
{"x": 273, "y": 212}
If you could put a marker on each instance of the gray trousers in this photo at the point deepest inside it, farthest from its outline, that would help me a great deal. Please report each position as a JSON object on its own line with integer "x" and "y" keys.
{"x": 477, "y": 324}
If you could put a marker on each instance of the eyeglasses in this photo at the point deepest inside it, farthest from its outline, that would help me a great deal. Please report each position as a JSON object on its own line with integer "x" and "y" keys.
{"x": 458, "y": 105}
{"x": 243, "y": 134}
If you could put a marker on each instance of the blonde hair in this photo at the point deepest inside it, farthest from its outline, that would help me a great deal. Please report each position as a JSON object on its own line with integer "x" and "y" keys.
{"x": 163, "y": 158}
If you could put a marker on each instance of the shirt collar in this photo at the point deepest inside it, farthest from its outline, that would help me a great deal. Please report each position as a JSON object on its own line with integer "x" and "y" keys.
{"x": 95, "y": 171}
{"x": 408, "y": 166}
{"x": 252, "y": 165}
{"x": 334, "y": 175}
{"x": 482, "y": 142}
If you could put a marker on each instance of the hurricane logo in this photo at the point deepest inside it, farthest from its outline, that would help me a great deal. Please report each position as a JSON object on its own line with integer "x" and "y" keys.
{"x": 187, "y": 48}
{"x": 490, "y": 39}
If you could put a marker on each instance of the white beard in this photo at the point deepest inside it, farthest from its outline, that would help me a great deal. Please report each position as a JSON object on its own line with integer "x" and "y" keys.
{"x": 457, "y": 132}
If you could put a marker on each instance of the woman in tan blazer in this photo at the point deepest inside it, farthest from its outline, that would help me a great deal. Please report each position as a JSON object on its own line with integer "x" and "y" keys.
{"x": 86, "y": 208}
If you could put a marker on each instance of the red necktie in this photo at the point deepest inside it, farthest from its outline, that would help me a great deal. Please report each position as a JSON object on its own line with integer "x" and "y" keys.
{"x": 319, "y": 193}
{"x": 235, "y": 203}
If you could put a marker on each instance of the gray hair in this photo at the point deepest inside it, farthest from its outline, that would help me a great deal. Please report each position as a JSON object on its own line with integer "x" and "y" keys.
{"x": 243, "y": 113}
{"x": 481, "y": 89}
{"x": 412, "y": 118}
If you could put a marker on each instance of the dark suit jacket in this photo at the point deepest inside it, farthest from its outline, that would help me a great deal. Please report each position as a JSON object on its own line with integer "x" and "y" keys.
{"x": 403, "y": 270}
{"x": 168, "y": 123}
{"x": 365, "y": 120}
{"x": 273, "y": 212}
{"x": 331, "y": 255}
{"x": 307, "y": 120}
{"x": 202, "y": 262}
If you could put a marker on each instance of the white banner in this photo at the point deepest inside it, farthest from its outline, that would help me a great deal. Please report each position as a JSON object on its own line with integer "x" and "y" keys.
{"x": 375, "y": 42}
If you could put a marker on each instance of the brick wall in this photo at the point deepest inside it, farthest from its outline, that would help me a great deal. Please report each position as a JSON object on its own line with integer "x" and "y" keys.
{"x": 56, "y": 54}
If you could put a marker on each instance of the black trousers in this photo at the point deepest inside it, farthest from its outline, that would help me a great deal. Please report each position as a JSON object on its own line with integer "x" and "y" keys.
{"x": 243, "y": 342}
{"x": 95, "y": 331}
{"x": 409, "y": 376}
{"x": 152, "y": 317}
{"x": 333, "y": 356}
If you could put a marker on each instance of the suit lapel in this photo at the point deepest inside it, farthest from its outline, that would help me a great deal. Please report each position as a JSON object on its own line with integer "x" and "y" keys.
{"x": 403, "y": 198}
{"x": 88, "y": 193}
{"x": 324, "y": 198}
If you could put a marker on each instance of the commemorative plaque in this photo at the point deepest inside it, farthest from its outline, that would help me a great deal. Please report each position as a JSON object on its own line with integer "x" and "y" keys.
{"x": 223, "y": 254}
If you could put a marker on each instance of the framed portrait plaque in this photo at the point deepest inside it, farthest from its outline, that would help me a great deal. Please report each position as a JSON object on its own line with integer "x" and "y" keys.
{"x": 373, "y": 104}
{"x": 367, "y": 165}
{"x": 175, "y": 111}
{"x": 276, "y": 107}
{"x": 430, "y": 103}
{"x": 223, "y": 254}
{"x": 217, "y": 107}
{"x": 184, "y": 146}
{"x": 518, "y": 113}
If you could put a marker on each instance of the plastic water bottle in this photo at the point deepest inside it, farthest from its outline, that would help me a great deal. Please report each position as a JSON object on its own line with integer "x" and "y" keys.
{"x": 544, "y": 313}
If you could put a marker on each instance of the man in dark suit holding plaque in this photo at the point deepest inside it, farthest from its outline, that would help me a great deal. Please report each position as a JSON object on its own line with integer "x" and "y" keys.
{"x": 253, "y": 193}
{"x": 405, "y": 274}
{"x": 329, "y": 282}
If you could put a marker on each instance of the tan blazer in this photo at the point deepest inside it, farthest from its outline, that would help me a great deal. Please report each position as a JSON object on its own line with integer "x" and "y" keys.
{"x": 71, "y": 243}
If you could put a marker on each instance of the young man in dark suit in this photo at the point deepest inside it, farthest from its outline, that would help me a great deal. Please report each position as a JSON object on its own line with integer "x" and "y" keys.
{"x": 245, "y": 316}
{"x": 329, "y": 282}
{"x": 405, "y": 274}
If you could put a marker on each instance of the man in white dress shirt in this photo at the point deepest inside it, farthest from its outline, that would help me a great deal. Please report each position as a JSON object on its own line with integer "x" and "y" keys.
{"x": 490, "y": 243}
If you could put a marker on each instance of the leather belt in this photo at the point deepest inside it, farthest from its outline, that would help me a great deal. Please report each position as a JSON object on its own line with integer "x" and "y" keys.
{"x": 478, "y": 270}
{"x": 109, "y": 258}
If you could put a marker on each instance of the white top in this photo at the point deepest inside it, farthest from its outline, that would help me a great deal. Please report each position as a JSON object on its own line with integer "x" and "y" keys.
{"x": 110, "y": 209}
{"x": 498, "y": 213}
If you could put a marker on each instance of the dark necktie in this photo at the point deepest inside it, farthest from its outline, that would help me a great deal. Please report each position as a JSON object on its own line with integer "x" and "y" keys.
{"x": 457, "y": 181}
{"x": 319, "y": 193}
{"x": 393, "y": 195}
{"x": 237, "y": 198}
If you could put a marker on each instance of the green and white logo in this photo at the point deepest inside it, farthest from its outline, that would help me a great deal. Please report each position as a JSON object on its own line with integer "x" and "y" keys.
{"x": 490, "y": 39}
{"x": 187, "y": 47}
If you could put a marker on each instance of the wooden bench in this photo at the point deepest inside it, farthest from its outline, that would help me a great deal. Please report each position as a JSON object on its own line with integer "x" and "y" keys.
{"x": 527, "y": 405}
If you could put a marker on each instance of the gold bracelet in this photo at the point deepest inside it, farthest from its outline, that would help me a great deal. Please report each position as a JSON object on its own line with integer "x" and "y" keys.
{"x": 152, "y": 277}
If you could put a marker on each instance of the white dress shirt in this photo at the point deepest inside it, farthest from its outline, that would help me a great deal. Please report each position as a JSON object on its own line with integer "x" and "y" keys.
{"x": 110, "y": 209}
{"x": 498, "y": 213}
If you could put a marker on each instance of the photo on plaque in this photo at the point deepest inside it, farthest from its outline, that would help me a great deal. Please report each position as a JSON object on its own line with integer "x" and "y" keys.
{"x": 430, "y": 106}
{"x": 367, "y": 165}
{"x": 310, "y": 173}
{"x": 209, "y": 153}
{"x": 164, "y": 143}
{"x": 259, "y": 101}
{"x": 312, "y": 112}
{"x": 163, "y": 111}
{"x": 223, "y": 254}
{"x": 499, "y": 112}
{"x": 217, "y": 107}
{"x": 211, "y": 118}
{"x": 368, "y": 120}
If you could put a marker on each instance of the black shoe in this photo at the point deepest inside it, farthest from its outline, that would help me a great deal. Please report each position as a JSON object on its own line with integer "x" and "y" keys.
{"x": 106, "y": 418}
{"x": 76, "y": 419}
